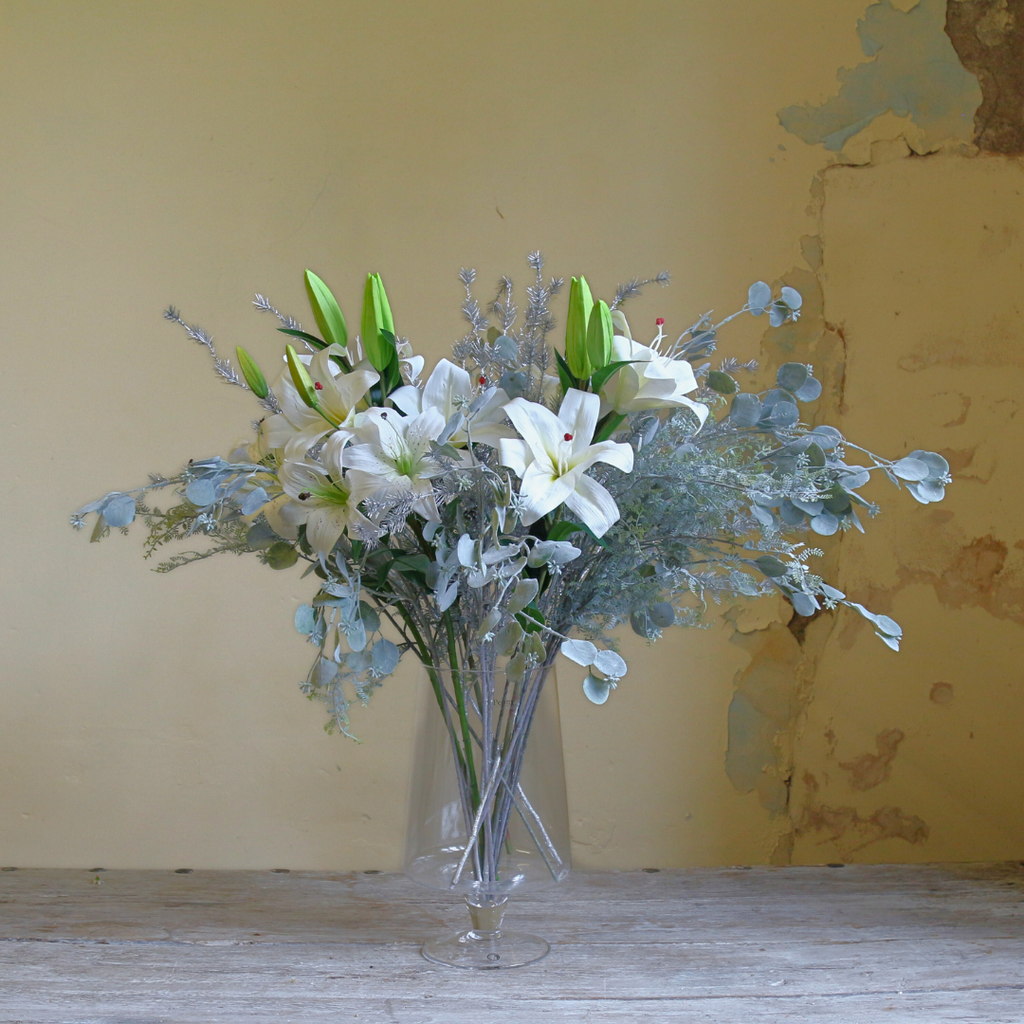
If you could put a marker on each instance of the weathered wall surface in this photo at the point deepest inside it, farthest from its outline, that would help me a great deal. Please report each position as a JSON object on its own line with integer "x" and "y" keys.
{"x": 915, "y": 272}
{"x": 197, "y": 152}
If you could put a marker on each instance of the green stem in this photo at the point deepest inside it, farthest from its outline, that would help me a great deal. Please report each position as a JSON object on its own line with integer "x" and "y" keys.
{"x": 608, "y": 426}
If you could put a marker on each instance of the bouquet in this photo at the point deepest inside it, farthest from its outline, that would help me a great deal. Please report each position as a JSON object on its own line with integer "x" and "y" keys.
{"x": 517, "y": 502}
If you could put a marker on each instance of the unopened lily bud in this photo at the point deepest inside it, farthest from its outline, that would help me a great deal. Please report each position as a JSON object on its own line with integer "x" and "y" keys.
{"x": 580, "y": 305}
{"x": 252, "y": 373}
{"x": 600, "y": 331}
{"x": 326, "y": 311}
{"x": 378, "y": 325}
{"x": 301, "y": 378}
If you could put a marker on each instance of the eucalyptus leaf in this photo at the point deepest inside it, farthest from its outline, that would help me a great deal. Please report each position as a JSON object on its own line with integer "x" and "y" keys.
{"x": 260, "y": 537}
{"x": 610, "y": 664}
{"x": 790, "y": 514}
{"x": 506, "y": 348}
{"x": 815, "y": 455}
{"x": 812, "y": 508}
{"x": 785, "y": 414}
{"x": 525, "y": 591}
{"x": 281, "y": 555}
{"x": 746, "y": 410}
{"x": 826, "y": 524}
{"x": 927, "y": 491}
{"x": 792, "y": 376}
{"x": 254, "y": 501}
{"x": 305, "y": 619}
{"x": 508, "y": 638}
{"x": 809, "y": 391}
{"x": 355, "y": 634}
{"x": 662, "y": 614}
{"x": 323, "y": 673}
{"x": 120, "y": 510}
{"x": 803, "y": 604}
{"x": 938, "y": 467}
{"x": 386, "y": 656}
{"x": 641, "y": 624}
{"x": 722, "y": 383}
{"x": 791, "y": 297}
{"x": 596, "y": 690}
{"x": 370, "y": 618}
{"x": 888, "y": 626}
{"x": 582, "y": 652}
{"x": 778, "y": 313}
{"x": 772, "y": 566}
{"x": 201, "y": 492}
{"x": 856, "y": 476}
{"x": 764, "y": 517}
{"x": 553, "y": 552}
{"x": 759, "y": 297}
{"x": 826, "y": 437}
{"x": 911, "y": 469}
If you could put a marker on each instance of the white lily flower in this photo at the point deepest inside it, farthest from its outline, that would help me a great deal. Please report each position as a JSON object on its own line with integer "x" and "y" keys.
{"x": 324, "y": 498}
{"x": 394, "y": 456}
{"x": 553, "y": 455}
{"x": 297, "y": 427}
{"x": 651, "y": 381}
{"x": 449, "y": 390}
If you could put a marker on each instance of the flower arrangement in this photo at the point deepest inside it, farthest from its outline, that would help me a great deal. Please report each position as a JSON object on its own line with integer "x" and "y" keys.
{"x": 516, "y": 503}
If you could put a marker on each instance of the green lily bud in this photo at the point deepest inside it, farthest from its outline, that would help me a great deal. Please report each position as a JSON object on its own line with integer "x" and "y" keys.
{"x": 377, "y": 319}
{"x": 600, "y": 330}
{"x": 388, "y": 321}
{"x": 326, "y": 311}
{"x": 580, "y": 304}
{"x": 301, "y": 378}
{"x": 252, "y": 373}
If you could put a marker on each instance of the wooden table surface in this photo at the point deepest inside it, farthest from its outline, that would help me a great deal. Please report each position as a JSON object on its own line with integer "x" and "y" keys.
{"x": 869, "y": 944}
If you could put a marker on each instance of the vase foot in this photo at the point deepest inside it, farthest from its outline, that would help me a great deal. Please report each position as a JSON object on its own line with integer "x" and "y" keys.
{"x": 485, "y": 950}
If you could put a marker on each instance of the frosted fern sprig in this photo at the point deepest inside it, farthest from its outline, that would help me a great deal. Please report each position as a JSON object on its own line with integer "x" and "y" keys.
{"x": 223, "y": 367}
{"x": 636, "y": 286}
{"x": 264, "y": 305}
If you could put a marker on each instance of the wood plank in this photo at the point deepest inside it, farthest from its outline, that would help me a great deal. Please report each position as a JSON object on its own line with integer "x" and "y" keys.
{"x": 915, "y": 943}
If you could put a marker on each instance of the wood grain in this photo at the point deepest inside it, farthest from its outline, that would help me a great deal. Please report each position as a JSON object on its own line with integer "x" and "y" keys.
{"x": 853, "y": 944}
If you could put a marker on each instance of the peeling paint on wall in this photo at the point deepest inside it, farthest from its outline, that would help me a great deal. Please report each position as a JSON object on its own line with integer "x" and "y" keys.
{"x": 911, "y": 96}
{"x": 870, "y": 770}
{"x": 989, "y": 38}
{"x": 913, "y": 71}
{"x": 849, "y": 830}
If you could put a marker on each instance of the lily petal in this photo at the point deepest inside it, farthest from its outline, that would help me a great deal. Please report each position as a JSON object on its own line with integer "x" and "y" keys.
{"x": 593, "y": 504}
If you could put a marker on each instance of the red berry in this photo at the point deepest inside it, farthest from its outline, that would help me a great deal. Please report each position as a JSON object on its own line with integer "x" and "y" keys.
{"x": 568, "y": 437}
{"x": 482, "y": 380}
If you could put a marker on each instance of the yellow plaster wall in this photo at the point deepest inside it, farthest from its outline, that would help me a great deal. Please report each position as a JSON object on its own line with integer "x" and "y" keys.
{"x": 194, "y": 153}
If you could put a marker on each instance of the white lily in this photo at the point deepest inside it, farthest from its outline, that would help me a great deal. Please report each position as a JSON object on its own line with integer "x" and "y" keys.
{"x": 298, "y": 427}
{"x": 449, "y": 390}
{"x": 393, "y": 456}
{"x": 553, "y": 455}
{"x": 651, "y": 381}
{"x": 324, "y": 498}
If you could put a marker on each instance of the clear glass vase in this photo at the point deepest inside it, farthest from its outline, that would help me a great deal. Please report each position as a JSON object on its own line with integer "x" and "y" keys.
{"x": 487, "y": 808}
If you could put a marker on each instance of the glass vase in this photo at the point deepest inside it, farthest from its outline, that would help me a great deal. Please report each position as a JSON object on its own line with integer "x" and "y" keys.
{"x": 487, "y": 808}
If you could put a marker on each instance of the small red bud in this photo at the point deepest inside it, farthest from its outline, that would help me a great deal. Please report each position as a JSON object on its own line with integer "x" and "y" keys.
{"x": 482, "y": 380}
{"x": 318, "y": 386}
{"x": 660, "y": 320}
{"x": 568, "y": 437}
